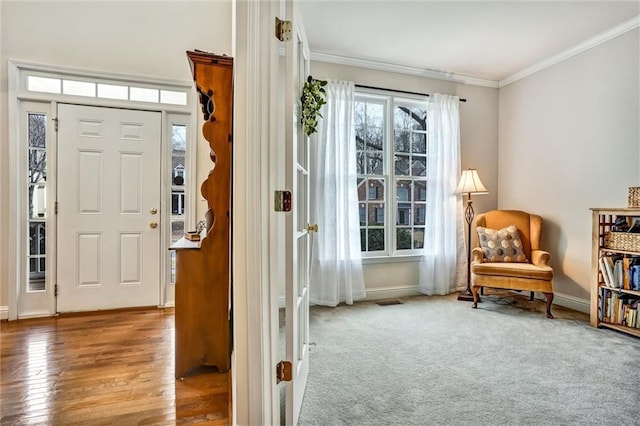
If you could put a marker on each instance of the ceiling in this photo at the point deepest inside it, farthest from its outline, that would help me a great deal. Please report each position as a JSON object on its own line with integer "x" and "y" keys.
{"x": 479, "y": 39}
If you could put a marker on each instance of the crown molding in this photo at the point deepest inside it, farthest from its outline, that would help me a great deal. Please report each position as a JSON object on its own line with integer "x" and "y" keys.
{"x": 607, "y": 35}
{"x": 401, "y": 69}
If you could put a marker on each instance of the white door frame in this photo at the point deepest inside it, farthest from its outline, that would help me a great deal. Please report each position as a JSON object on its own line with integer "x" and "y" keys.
{"x": 18, "y": 93}
{"x": 256, "y": 136}
{"x": 256, "y": 228}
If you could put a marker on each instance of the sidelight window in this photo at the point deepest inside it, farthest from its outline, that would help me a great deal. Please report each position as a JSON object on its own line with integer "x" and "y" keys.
{"x": 37, "y": 201}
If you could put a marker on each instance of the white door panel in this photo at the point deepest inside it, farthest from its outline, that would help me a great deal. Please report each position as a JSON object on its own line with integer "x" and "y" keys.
{"x": 108, "y": 182}
{"x": 297, "y": 180}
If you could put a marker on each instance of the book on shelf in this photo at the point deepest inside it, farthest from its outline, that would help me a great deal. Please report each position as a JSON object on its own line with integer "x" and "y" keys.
{"x": 604, "y": 272}
{"x": 608, "y": 263}
{"x": 618, "y": 308}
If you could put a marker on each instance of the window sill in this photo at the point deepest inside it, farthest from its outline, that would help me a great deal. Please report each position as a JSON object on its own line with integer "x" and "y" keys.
{"x": 391, "y": 259}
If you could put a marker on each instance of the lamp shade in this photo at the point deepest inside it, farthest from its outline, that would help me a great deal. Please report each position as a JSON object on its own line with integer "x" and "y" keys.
{"x": 470, "y": 183}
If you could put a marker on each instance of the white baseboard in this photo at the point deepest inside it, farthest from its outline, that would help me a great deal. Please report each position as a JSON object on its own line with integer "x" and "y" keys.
{"x": 572, "y": 302}
{"x": 560, "y": 299}
{"x": 376, "y": 294}
{"x": 4, "y": 312}
{"x": 390, "y": 293}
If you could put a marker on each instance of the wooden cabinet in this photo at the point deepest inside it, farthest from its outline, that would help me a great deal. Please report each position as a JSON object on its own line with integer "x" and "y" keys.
{"x": 202, "y": 311}
{"x": 614, "y": 302}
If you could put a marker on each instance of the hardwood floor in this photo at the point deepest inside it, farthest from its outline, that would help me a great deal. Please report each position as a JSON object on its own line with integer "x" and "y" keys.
{"x": 111, "y": 368}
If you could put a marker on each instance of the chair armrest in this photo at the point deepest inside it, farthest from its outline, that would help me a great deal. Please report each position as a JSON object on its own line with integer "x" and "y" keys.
{"x": 477, "y": 255}
{"x": 540, "y": 257}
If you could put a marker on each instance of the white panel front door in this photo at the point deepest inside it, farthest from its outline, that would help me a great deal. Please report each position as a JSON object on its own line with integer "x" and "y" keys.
{"x": 108, "y": 248}
{"x": 298, "y": 255}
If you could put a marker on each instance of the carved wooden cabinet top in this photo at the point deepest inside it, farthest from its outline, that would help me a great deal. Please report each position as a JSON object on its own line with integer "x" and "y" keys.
{"x": 213, "y": 76}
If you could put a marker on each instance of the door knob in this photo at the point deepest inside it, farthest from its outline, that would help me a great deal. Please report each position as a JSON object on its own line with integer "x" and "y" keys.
{"x": 153, "y": 225}
{"x": 153, "y": 211}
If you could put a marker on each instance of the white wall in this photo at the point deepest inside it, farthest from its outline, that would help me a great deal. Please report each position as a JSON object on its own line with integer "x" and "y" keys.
{"x": 478, "y": 143}
{"x": 569, "y": 141}
{"x": 146, "y": 38}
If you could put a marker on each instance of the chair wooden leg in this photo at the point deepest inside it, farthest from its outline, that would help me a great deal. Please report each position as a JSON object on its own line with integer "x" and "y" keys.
{"x": 476, "y": 298}
{"x": 531, "y": 296}
{"x": 549, "y": 297}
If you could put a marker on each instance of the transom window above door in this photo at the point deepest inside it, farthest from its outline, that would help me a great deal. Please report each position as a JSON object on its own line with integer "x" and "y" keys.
{"x": 96, "y": 89}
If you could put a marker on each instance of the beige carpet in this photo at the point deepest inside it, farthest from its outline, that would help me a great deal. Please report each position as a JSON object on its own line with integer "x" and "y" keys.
{"x": 436, "y": 361}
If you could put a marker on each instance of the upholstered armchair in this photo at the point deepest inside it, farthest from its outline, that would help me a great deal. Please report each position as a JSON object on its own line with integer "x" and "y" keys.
{"x": 500, "y": 260}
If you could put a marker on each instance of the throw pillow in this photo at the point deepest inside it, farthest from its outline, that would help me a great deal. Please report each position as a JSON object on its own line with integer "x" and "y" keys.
{"x": 502, "y": 245}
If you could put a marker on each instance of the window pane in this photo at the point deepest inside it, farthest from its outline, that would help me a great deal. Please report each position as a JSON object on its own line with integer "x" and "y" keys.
{"x": 37, "y": 130}
{"x": 37, "y": 166}
{"x": 172, "y": 97}
{"x": 402, "y": 117}
{"x": 177, "y": 230}
{"x": 376, "y": 214}
{"x": 112, "y": 91}
{"x": 43, "y": 84}
{"x": 419, "y": 116}
{"x": 359, "y": 115}
{"x": 419, "y": 166}
{"x": 362, "y": 189}
{"x": 363, "y": 214}
{"x": 419, "y": 211}
{"x": 143, "y": 94}
{"x": 403, "y": 238}
{"x": 402, "y": 165}
{"x": 374, "y": 164}
{"x": 363, "y": 240}
{"x": 375, "y": 189}
{"x": 178, "y": 139}
{"x": 418, "y": 238}
{"x": 360, "y": 160}
{"x": 78, "y": 88}
{"x": 404, "y": 214}
{"x": 420, "y": 190}
{"x": 37, "y": 201}
{"x": 177, "y": 203}
{"x": 360, "y": 137}
{"x": 402, "y": 141}
{"x": 419, "y": 143}
{"x": 403, "y": 190}
{"x": 375, "y": 114}
{"x": 376, "y": 239}
{"x": 374, "y": 139}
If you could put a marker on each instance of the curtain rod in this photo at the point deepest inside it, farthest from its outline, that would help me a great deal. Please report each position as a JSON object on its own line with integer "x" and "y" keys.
{"x": 397, "y": 91}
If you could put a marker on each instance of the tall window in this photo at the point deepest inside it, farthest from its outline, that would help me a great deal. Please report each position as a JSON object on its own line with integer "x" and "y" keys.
{"x": 178, "y": 173}
{"x": 37, "y": 208}
{"x": 391, "y": 147}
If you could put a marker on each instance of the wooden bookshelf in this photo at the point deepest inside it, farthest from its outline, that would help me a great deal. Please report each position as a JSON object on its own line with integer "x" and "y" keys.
{"x": 603, "y": 220}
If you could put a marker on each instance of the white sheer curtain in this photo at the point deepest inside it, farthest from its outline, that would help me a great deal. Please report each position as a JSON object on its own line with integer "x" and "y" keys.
{"x": 443, "y": 265}
{"x": 336, "y": 262}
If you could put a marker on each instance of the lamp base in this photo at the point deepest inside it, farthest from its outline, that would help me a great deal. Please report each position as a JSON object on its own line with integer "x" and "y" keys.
{"x": 465, "y": 296}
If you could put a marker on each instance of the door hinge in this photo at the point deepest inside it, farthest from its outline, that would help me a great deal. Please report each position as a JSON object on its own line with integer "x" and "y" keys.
{"x": 283, "y": 29}
{"x": 283, "y": 371}
{"x": 55, "y": 208}
{"x": 55, "y": 123}
{"x": 282, "y": 201}
{"x": 55, "y": 290}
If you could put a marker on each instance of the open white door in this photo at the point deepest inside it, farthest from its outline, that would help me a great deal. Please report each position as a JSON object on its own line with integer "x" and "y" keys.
{"x": 297, "y": 241}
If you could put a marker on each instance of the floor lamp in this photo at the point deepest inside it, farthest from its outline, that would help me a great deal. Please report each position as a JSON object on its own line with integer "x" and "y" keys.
{"x": 469, "y": 184}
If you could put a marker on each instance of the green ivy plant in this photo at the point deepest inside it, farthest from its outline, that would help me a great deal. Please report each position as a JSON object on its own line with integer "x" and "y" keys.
{"x": 313, "y": 97}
